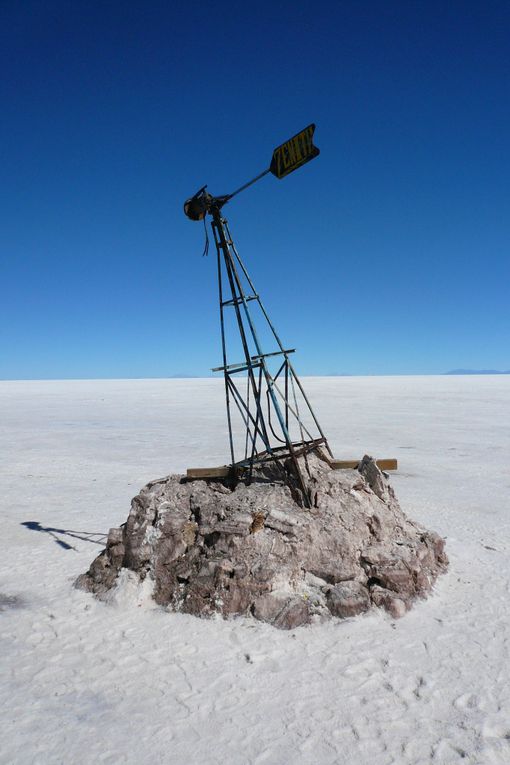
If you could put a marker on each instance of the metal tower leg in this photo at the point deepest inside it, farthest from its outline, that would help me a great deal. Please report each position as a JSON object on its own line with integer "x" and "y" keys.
{"x": 232, "y": 294}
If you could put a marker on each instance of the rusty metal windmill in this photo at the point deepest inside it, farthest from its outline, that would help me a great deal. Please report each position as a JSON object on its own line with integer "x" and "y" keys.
{"x": 275, "y": 420}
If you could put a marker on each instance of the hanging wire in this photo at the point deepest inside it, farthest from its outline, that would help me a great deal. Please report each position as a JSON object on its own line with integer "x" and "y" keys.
{"x": 206, "y": 245}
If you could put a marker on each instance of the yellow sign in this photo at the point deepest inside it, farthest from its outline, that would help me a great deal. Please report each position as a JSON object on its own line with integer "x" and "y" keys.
{"x": 294, "y": 153}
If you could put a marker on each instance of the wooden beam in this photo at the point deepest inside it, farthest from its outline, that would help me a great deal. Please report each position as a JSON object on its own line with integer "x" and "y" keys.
{"x": 210, "y": 472}
{"x": 388, "y": 464}
{"x": 224, "y": 470}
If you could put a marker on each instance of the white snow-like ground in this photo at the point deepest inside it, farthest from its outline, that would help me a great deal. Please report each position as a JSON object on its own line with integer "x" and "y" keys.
{"x": 86, "y": 682}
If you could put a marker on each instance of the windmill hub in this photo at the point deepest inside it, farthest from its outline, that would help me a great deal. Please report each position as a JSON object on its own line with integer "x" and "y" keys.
{"x": 197, "y": 207}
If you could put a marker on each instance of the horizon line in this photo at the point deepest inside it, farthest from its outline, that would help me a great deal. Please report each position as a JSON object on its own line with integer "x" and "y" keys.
{"x": 454, "y": 373}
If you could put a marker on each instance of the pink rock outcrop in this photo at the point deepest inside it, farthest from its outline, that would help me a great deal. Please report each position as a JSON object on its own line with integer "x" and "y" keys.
{"x": 208, "y": 547}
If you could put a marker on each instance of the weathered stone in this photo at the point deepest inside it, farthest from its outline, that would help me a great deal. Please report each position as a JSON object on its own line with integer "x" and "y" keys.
{"x": 395, "y": 606}
{"x": 394, "y": 575}
{"x": 211, "y": 548}
{"x": 348, "y": 599}
{"x": 373, "y": 477}
{"x": 282, "y": 611}
{"x": 114, "y": 536}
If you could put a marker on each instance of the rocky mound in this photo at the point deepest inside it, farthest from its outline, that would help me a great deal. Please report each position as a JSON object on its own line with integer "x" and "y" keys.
{"x": 212, "y": 548}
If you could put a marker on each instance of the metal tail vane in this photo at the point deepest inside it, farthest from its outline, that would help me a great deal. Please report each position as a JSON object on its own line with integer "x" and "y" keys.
{"x": 268, "y": 413}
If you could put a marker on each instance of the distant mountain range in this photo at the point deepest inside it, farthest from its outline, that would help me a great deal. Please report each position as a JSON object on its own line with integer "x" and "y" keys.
{"x": 477, "y": 372}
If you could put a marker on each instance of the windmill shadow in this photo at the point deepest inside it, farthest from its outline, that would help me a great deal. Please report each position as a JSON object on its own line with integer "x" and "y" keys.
{"x": 96, "y": 538}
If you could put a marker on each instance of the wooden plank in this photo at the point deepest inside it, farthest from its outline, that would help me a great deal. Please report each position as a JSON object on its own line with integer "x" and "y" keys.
{"x": 387, "y": 464}
{"x": 224, "y": 470}
{"x": 210, "y": 472}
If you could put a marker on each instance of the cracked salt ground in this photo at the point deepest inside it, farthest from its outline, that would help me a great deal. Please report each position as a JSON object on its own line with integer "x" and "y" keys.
{"x": 86, "y": 682}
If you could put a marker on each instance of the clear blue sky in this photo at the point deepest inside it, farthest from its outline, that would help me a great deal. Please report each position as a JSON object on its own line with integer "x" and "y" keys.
{"x": 389, "y": 253}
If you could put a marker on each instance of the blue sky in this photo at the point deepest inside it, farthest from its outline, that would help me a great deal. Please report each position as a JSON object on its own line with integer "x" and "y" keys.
{"x": 388, "y": 254}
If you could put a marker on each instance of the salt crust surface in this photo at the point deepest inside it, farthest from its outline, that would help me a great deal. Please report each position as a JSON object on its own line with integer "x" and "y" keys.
{"x": 123, "y": 682}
